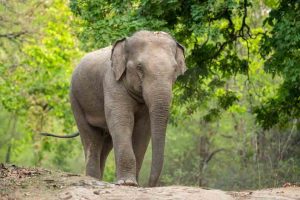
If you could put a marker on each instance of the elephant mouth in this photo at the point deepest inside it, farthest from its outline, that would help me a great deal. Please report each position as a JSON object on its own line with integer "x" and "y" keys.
{"x": 137, "y": 96}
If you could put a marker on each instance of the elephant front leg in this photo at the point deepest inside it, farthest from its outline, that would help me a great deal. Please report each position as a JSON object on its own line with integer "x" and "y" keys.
{"x": 120, "y": 125}
{"x": 140, "y": 138}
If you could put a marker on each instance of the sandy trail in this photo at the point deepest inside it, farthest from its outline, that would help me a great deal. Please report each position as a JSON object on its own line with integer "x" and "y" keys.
{"x": 28, "y": 183}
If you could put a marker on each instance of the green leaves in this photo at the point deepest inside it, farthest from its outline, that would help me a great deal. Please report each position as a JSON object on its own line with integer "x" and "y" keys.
{"x": 105, "y": 22}
{"x": 35, "y": 78}
{"x": 209, "y": 30}
{"x": 228, "y": 99}
{"x": 280, "y": 47}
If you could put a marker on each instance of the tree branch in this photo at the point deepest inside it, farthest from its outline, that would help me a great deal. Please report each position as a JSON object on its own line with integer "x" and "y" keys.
{"x": 12, "y": 36}
{"x": 211, "y": 155}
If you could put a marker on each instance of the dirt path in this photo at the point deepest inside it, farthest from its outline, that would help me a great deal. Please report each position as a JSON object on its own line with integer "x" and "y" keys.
{"x": 26, "y": 183}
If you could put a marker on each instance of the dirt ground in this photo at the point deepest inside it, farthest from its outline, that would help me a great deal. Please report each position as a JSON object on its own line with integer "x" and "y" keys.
{"x": 28, "y": 183}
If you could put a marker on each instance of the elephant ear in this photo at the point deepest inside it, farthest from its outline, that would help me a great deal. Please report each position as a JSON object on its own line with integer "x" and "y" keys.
{"x": 118, "y": 58}
{"x": 181, "y": 67}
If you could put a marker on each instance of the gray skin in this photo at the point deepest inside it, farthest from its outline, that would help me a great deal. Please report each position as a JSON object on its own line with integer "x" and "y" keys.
{"x": 120, "y": 97}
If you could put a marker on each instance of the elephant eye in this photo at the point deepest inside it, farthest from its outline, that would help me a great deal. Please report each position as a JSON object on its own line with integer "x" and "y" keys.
{"x": 139, "y": 67}
{"x": 139, "y": 71}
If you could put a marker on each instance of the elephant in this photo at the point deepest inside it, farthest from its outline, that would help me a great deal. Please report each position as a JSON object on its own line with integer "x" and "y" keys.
{"x": 120, "y": 96}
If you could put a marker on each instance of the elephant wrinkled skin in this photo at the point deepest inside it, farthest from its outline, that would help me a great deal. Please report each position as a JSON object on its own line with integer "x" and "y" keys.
{"x": 120, "y": 97}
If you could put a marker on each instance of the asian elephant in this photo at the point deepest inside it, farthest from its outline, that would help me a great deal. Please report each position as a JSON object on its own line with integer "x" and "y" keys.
{"x": 120, "y": 97}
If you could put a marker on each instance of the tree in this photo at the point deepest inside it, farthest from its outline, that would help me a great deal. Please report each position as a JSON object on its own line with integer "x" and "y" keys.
{"x": 210, "y": 30}
{"x": 280, "y": 47}
{"x": 213, "y": 32}
{"x": 35, "y": 76}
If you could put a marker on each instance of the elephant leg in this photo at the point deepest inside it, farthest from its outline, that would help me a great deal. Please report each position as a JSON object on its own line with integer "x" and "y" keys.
{"x": 120, "y": 123}
{"x": 106, "y": 148}
{"x": 92, "y": 140}
{"x": 140, "y": 139}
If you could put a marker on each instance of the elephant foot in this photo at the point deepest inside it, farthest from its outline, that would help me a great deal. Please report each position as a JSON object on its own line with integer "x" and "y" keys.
{"x": 127, "y": 182}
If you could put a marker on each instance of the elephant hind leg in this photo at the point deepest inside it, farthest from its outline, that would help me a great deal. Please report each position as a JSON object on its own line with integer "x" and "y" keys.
{"x": 106, "y": 148}
{"x": 92, "y": 140}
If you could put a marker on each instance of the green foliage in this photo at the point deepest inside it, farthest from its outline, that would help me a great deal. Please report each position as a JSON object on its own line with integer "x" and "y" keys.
{"x": 243, "y": 154}
{"x": 105, "y": 21}
{"x": 280, "y": 48}
{"x": 208, "y": 29}
{"x": 34, "y": 89}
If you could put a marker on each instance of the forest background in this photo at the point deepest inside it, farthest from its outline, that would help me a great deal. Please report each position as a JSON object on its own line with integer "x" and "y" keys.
{"x": 235, "y": 113}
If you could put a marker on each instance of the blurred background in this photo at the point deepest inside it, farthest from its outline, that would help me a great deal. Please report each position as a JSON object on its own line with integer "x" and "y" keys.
{"x": 235, "y": 114}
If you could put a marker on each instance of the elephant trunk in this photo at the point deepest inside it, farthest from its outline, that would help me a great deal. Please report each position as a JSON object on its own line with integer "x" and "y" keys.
{"x": 158, "y": 104}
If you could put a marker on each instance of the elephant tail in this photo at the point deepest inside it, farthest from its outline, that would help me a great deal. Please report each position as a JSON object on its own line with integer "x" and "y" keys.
{"x": 61, "y": 136}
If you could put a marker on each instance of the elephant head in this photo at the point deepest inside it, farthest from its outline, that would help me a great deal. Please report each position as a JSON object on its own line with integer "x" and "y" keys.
{"x": 148, "y": 63}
